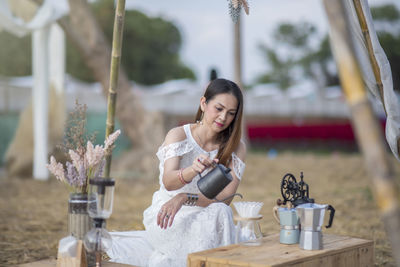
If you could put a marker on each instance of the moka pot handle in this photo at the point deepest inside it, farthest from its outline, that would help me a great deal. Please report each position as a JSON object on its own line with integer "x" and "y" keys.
{"x": 331, "y": 215}
{"x": 275, "y": 213}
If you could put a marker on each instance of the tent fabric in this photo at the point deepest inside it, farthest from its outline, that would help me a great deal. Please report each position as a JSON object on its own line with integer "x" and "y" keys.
{"x": 389, "y": 100}
{"x": 47, "y": 13}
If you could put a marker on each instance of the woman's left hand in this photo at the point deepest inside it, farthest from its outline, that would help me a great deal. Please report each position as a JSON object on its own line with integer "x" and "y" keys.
{"x": 167, "y": 213}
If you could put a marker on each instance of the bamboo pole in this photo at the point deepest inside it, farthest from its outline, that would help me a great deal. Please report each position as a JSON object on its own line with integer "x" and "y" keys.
{"x": 114, "y": 71}
{"x": 374, "y": 62}
{"x": 368, "y": 43}
{"x": 367, "y": 129}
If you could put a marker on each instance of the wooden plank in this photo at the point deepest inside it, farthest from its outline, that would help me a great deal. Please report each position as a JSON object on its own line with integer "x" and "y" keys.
{"x": 269, "y": 243}
{"x": 342, "y": 250}
{"x": 196, "y": 261}
{"x": 333, "y": 248}
{"x": 354, "y": 257}
{"x": 53, "y": 262}
{"x": 42, "y": 263}
{"x": 367, "y": 256}
{"x": 345, "y": 259}
{"x": 297, "y": 257}
{"x": 236, "y": 253}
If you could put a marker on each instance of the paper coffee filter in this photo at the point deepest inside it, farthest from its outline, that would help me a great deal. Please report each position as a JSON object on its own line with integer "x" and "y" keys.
{"x": 248, "y": 209}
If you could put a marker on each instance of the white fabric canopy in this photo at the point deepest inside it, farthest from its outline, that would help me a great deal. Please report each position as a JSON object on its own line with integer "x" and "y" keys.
{"x": 47, "y": 13}
{"x": 389, "y": 100}
{"x": 48, "y": 61}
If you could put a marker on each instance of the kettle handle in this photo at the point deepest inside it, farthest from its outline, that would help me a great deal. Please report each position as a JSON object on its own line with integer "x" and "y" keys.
{"x": 213, "y": 165}
{"x": 331, "y": 215}
{"x": 275, "y": 213}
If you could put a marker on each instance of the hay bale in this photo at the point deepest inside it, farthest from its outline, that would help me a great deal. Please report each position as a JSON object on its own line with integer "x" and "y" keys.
{"x": 19, "y": 155}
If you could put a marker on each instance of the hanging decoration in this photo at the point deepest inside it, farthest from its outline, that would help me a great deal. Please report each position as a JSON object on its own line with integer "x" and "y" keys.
{"x": 235, "y": 7}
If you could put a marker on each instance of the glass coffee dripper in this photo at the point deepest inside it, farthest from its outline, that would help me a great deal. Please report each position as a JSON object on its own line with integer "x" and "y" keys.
{"x": 100, "y": 203}
{"x": 248, "y": 230}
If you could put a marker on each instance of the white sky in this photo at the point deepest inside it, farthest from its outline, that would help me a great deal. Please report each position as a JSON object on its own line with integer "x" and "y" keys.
{"x": 207, "y": 30}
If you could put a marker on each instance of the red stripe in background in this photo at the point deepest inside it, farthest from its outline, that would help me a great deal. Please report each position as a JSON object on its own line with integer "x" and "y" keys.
{"x": 269, "y": 131}
{"x": 334, "y": 131}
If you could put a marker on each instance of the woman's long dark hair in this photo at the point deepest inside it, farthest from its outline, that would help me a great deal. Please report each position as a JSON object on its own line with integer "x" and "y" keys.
{"x": 230, "y": 137}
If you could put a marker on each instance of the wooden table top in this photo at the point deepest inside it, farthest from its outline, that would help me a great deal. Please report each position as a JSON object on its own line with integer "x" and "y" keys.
{"x": 272, "y": 252}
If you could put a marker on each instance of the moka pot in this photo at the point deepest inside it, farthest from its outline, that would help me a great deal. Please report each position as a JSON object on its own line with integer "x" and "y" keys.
{"x": 289, "y": 222}
{"x": 311, "y": 220}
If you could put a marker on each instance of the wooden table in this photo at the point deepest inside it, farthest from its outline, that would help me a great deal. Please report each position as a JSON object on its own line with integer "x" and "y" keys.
{"x": 338, "y": 251}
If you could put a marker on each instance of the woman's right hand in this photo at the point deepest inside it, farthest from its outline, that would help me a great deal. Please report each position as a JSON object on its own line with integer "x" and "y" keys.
{"x": 166, "y": 215}
{"x": 202, "y": 162}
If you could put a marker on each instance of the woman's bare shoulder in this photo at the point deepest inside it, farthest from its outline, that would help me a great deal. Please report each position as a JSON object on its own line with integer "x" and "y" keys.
{"x": 241, "y": 150}
{"x": 174, "y": 135}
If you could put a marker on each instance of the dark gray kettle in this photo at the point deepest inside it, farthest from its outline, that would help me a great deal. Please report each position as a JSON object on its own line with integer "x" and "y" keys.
{"x": 215, "y": 181}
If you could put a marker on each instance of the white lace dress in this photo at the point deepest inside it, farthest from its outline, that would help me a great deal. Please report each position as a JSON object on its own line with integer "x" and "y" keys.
{"x": 194, "y": 228}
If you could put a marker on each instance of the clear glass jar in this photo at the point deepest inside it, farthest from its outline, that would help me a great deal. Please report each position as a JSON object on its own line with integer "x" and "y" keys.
{"x": 100, "y": 197}
{"x": 248, "y": 231}
{"x": 98, "y": 240}
{"x": 79, "y": 222}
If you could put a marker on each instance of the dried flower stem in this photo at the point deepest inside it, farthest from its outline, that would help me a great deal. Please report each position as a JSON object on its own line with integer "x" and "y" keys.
{"x": 87, "y": 160}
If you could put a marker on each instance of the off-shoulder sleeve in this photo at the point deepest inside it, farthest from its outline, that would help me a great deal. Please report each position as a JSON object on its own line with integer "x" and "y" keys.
{"x": 238, "y": 166}
{"x": 173, "y": 150}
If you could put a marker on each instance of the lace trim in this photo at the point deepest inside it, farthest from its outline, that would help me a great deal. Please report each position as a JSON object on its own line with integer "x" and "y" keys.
{"x": 189, "y": 135}
{"x": 238, "y": 166}
{"x": 194, "y": 229}
{"x": 173, "y": 150}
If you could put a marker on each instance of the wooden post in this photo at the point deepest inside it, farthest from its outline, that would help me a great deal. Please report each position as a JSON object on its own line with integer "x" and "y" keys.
{"x": 367, "y": 129}
{"x": 371, "y": 54}
{"x": 114, "y": 70}
{"x": 40, "y": 60}
{"x": 237, "y": 43}
{"x": 368, "y": 43}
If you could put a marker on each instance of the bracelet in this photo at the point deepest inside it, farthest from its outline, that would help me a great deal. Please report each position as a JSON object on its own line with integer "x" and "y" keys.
{"x": 180, "y": 175}
{"x": 191, "y": 199}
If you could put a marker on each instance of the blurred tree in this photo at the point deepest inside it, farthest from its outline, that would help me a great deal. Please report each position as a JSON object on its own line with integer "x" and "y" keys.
{"x": 15, "y": 55}
{"x": 280, "y": 72}
{"x": 295, "y": 35}
{"x": 319, "y": 64}
{"x": 293, "y": 45}
{"x": 388, "y": 13}
{"x": 150, "y": 50}
{"x": 294, "y": 54}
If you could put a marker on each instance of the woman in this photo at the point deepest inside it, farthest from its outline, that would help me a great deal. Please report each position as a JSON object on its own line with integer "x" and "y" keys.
{"x": 180, "y": 219}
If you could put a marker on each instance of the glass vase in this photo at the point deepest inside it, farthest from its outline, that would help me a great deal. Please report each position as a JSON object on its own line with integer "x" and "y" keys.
{"x": 79, "y": 222}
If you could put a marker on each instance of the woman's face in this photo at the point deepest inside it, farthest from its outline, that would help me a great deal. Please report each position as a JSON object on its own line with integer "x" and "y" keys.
{"x": 220, "y": 111}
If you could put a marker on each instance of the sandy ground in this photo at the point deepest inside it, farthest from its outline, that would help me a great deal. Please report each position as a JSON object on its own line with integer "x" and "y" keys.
{"x": 33, "y": 214}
